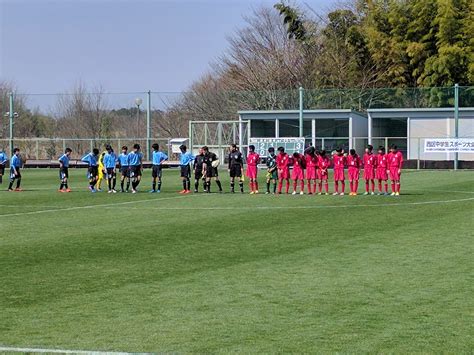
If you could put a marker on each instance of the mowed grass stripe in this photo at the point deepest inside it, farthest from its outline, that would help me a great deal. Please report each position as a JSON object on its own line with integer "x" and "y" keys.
{"x": 251, "y": 280}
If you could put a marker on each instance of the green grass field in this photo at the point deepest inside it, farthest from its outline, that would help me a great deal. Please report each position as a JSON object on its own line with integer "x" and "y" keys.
{"x": 238, "y": 273}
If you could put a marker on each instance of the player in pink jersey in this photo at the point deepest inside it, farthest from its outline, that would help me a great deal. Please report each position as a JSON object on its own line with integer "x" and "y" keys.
{"x": 354, "y": 163}
{"x": 283, "y": 165}
{"x": 311, "y": 169}
{"x": 395, "y": 162}
{"x": 381, "y": 172}
{"x": 339, "y": 161}
{"x": 370, "y": 162}
{"x": 252, "y": 162}
{"x": 297, "y": 173}
{"x": 323, "y": 165}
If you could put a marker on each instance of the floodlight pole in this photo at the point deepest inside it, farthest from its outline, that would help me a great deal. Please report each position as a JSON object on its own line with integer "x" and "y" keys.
{"x": 301, "y": 92}
{"x": 11, "y": 114}
{"x": 148, "y": 127}
{"x": 456, "y": 122}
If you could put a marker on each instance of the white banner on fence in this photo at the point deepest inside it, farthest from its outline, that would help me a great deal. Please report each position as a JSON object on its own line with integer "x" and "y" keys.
{"x": 449, "y": 145}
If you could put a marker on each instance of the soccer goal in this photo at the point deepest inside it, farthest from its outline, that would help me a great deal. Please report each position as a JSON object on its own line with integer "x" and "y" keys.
{"x": 218, "y": 135}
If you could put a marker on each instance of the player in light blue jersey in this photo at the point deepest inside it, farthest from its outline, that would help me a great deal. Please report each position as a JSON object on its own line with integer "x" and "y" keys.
{"x": 3, "y": 163}
{"x": 135, "y": 163}
{"x": 110, "y": 161}
{"x": 157, "y": 168}
{"x": 15, "y": 174}
{"x": 92, "y": 171}
{"x": 124, "y": 169}
{"x": 185, "y": 160}
{"x": 64, "y": 170}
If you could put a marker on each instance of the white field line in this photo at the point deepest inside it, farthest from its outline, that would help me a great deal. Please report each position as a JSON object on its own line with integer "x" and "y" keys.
{"x": 233, "y": 208}
{"x": 92, "y": 206}
{"x": 62, "y": 351}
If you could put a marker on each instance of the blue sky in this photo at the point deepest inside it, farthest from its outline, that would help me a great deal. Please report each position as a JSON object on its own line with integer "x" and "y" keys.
{"x": 47, "y": 46}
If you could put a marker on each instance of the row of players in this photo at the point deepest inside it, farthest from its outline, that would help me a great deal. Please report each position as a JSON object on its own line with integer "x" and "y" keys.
{"x": 311, "y": 166}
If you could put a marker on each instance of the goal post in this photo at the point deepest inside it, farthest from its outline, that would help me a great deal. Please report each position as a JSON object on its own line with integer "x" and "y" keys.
{"x": 218, "y": 135}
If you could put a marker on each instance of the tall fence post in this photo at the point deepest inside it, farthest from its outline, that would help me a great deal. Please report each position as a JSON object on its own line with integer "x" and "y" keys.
{"x": 148, "y": 123}
{"x": 301, "y": 92}
{"x": 11, "y": 116}
{"x": 456, "y": 121}
{"x": 418, "y": 154}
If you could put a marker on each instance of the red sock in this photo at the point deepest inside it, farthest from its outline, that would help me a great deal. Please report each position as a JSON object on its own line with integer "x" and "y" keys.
{"x": 336, "y": 186}
{"x": 393, "y": 187}
{"x": 326, "y": 186}
{"x": 386, "y": 187}
{"x": 366, "y": 185}
{"x": 294, "y": 185}
{"x": 398, "y": 187}
{"x": 343, "y": 186}
{"x": 356, "y": 186}
{"x": 255, "y": 185}
{"x": 302, "y": 186}
{"x": 320, "y": 186}
{"x": 351, "y": 185}
{"x": 380, "y": 186}
{"x": 373, "y": 186}
{"x": 309, "y": 186}
{"x": 287, "y": 186}
{"x": 280, "y": 186}
{"x": 251, "y": 186}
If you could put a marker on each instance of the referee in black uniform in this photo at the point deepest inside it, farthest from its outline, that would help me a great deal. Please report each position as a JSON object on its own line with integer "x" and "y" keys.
{"x": 236, "y": 168}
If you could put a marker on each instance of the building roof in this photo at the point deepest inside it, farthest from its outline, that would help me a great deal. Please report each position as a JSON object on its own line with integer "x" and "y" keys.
{"x": 442, "y": 112}
{"x": 307, "y": 114}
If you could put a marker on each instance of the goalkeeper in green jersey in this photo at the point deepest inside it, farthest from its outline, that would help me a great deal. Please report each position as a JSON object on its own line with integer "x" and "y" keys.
{"x": 272, "y": 172}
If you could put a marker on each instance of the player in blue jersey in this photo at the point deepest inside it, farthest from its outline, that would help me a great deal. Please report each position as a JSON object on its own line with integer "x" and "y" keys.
{"x": 92, "y": 170}
{"x": 135, "y": 163}
{"x": 15, "y": 174}
{"x": 64, "y": 170}
{"x": 124, "y": 169}
{"x": 3, "y": 162}
{"x": 110, "y": 161}
{"x": 157, "y": 169}
{"x": 185, "y": 160}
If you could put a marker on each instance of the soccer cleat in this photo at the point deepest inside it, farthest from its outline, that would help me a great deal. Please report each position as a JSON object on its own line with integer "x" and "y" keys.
{"x": 256, "y": 191}
{"x": 61, "y": 190}
{"x": 158, "y": 191}
{"x": 251, "y": 193}
{"x": 301, "y": 193}
{"x": 134, "y": 191}
{"x": 294, "y": 193}
{"x": 114, "y": 191}
{"x": 109, "y": 192}
{"x": 188, "y": 192}
{"x": 392, "y": 194}
{"x": 68, "y": 190}
{"x": 366, "y": 193}
{"x": 327, "y": 193}
{"x": 196, "y": 191}
{"x": 182, "y": 191}
{"x": 152, "y": 191}
{"x": 397, "y": 193}
{"x": 341, "y": 194}
{"x": 98, "y": 190}
{"x": 320, "y": 193}
{"x": 372, "y": 193}
{"x": 335, "y": 194}
{"x": 10, "y": 190}
{"x": 18, "y": 189}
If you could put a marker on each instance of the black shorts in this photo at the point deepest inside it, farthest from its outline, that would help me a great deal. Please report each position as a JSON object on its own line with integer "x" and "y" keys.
{"x": 2, "y": 169}
{"x": 185, "y": 171}
{"x": 235, "y": 171}
{"x": 125, "y": 171}
{"x": 135, "y": 171}
{"x": 93, "y": 171}
{"x": 110, "y": 171}
{"x": 156, "y": 171}
{"x": 12, "y": 174}
{"x": 197, "y": 174}
{"x": 211, "y": 172}
{"x": 63, "y": 173}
